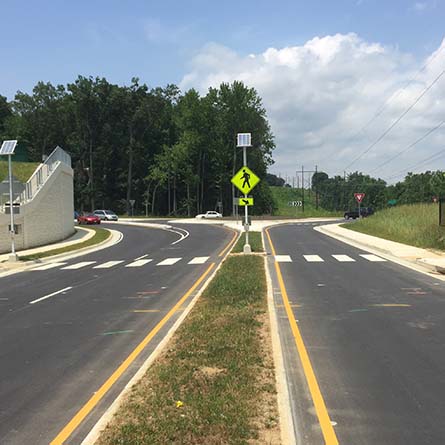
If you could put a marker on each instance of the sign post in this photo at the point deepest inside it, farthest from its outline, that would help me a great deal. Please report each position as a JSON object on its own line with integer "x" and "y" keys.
{"x": 8, "y": 148}
{"x": 132, "y": 201}
{"x": 245, "y": 180}
{"x": 359, "y": 198}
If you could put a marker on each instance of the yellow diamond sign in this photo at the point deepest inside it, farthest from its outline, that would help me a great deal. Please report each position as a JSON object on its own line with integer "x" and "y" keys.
{"x": 245, "y": 180}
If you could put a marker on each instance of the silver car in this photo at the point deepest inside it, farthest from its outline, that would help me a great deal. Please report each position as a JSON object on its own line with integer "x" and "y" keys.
{"x": 106, "y": 215}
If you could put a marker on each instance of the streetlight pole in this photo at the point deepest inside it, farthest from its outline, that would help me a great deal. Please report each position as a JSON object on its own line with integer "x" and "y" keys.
{"x": 246, "y": 248}
{"x": 13, "y": 256}
{"x": 7, "y": 149}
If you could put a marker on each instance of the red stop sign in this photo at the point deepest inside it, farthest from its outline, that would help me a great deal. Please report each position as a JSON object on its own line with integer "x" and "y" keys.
{"x": 359, "y": 197}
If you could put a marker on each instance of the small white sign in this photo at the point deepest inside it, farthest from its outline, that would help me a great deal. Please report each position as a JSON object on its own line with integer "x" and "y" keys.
{"x": 244, "y": 140}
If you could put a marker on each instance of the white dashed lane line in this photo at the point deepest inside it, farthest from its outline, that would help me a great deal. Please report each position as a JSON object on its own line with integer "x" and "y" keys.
{"x": 313, "y": 258}
{"x": 108, "y": 264}
{"x": 79, "y": 265}
{"x": 139, "y": 263}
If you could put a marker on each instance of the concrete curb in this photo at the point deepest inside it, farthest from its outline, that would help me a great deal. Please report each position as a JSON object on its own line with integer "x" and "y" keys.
{"x": 97, "y": 429}
{"x": 283, "y": 398}
{"x": 417, "y": 264}
{"x": 114, "y": 238}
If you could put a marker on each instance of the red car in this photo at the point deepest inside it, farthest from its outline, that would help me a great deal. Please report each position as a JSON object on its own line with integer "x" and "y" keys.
{"x": 88, "y": 218}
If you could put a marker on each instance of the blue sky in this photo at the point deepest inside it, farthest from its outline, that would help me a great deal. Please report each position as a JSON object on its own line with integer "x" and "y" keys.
{"x": 169, "y": 41}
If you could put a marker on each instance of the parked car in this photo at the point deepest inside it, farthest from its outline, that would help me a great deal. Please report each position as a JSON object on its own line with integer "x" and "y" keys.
{"x": 106, "y": 215}
{"x": 208, "y": 215}
{"x": 88, "y": 218}
{"x": 364, "y": 211}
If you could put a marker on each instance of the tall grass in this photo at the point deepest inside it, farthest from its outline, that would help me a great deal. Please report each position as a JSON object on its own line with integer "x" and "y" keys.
{"x": 282, "y": 196}
{"x": 21, "y": 170}
{"x": 416, "y": 225}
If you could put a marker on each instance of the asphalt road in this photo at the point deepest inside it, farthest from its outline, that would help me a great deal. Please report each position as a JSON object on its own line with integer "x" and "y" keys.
{"x": 374, "y": 333}
{"x": 65, "y": 330}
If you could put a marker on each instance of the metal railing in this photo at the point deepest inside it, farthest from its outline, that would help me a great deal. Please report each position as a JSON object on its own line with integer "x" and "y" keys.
{"x": 43, "y": 172}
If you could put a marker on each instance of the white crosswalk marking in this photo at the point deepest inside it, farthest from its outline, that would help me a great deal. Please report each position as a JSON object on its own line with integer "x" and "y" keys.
{"x": 138, "y": 263}
{"x": 344, "y": 258}
{"x": 79, "y": 265}
{"x": 373, "y": 258}
{"x": 108, "y": 264}
{"x": 49, "y": 266}
{"x": 313, "y": 258}
{"x": 169, "y": 261}
{"x": 283, "y": 259}
{"x": 199, "y": 260}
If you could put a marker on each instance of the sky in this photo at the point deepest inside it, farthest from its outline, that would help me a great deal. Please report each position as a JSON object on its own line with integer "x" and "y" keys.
{"x": 348, "y": 85}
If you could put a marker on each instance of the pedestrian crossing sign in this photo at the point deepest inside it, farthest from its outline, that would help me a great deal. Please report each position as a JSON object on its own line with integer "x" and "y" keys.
{"x": 245, "y": 180}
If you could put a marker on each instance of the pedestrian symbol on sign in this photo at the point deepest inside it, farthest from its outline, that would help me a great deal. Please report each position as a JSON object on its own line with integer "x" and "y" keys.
{"x": 245, "y": 180}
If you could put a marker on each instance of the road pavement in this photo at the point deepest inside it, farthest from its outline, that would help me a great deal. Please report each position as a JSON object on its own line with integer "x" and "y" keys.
{"x": 65, "y": 327}
{"x": 363, "y": 341}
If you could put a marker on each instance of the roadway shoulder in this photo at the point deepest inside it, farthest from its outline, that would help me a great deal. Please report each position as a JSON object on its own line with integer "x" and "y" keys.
{"x": 421, "y": 260}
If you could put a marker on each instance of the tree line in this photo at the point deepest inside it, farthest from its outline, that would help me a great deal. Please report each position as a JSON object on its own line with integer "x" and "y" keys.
{"x": 337, "y": 193}
{"x": 170, "y": 152}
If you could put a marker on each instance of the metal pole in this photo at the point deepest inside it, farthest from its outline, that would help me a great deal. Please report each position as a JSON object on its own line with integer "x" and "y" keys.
{"x": 246, "y": 248}
{"x": 302, "y": 188}
{"x": 13, "y": 256}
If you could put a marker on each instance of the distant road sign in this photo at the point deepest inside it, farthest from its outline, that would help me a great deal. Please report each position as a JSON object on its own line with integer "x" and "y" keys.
{"x": 132, "y": 201}
{"x": 359, "y": 197}
{"x": 245, "y": 180}
{"x": 295, "y": 203}
{"x": 245, "y": 202}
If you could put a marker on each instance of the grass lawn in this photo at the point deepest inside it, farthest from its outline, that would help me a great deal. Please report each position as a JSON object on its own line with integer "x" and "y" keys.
{"x": 21, "y": 170}
{"x": 255, "y": 241}
{"x": 282, "y": 196}
{"x": 416, "y": 225}
{"x": 99, "y": 236}
{"x": 214, "y": 384}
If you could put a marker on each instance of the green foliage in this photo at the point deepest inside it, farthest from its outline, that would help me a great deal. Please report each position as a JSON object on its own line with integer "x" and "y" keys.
{"x": 21, "y": 170}
{"x": 415, "y": 224}
{"x": 283, "y": 195}
{"x": 173, "y": 152}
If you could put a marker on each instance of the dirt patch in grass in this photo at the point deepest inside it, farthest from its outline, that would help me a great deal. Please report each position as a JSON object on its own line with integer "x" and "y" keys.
{"x": 215, "y": 383}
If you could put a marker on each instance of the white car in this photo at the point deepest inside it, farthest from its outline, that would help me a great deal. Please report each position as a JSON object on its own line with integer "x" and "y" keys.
{"x": 106, "y": 215}
{"x": 208, "y": 215}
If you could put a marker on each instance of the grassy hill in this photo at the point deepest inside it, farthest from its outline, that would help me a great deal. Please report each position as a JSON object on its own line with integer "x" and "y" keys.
{"x": 21, "y": 170}
{"x": 416, "y": 225}
{"x": 283, "y": 195}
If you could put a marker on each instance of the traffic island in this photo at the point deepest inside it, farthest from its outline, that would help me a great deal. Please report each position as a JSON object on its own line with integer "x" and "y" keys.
{"x": 215, "y": 382}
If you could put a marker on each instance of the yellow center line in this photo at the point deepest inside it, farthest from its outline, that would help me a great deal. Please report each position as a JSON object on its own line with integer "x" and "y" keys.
{"x": 95, "y": 399}
{"x": 235, "y": 235}
{"x": 319, "y": 404}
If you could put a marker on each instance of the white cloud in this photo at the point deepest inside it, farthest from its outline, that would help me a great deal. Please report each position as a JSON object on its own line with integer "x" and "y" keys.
{"x": 320, "y": 94}
{"x": 160, "y": 33}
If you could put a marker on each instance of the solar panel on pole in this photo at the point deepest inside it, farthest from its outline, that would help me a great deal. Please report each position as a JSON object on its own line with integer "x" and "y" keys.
{"x": 8, "y": 147}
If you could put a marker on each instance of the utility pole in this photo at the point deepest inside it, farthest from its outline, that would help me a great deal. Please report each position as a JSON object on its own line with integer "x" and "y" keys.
{"x": 316, "y": 190}
{"x": 302, "y": 188}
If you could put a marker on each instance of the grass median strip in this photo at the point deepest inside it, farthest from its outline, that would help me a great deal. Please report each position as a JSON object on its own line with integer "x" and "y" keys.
{"x": 215, "y": 382}
{"x": 255, "y": 242}
{"x": 100, "y": 236}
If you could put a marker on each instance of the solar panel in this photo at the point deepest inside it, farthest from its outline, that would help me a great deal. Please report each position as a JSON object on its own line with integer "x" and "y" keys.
{"x": 244, "y": 140}
{"x": 8, "y": 147}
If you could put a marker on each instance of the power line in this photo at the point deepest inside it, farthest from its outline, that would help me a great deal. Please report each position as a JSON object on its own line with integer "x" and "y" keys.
{"x": 393, "y": 96}
{"x": 424, "y": 161}
{"x": 431, "y": 130}
{"x": 397, "y": 120}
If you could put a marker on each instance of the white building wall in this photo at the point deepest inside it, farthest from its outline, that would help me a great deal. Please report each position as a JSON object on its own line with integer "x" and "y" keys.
{"x": 48, "y": 218}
